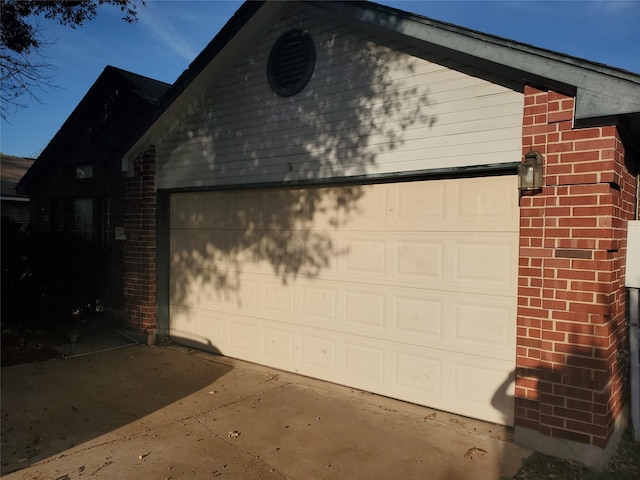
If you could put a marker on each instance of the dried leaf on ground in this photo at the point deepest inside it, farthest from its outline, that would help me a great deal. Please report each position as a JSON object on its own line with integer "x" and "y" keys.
{"x": 475, "y": 452}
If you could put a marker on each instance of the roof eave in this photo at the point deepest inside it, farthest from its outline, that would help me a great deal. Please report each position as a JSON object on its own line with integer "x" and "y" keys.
{"x": 246, "y": 19}
{"x": 68, "y": 125}
{"x": 602, "y": 92}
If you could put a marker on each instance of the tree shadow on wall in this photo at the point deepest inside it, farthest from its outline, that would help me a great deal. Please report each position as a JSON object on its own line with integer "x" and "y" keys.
{"x": 572, "y": 392}
{"x": 356, "y": 108}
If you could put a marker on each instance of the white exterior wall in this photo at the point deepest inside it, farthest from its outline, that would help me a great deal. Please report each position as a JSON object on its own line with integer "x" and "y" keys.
{"x": 369, "y": 108}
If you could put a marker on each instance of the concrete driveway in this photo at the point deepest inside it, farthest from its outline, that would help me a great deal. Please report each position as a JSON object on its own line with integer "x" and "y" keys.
{"x": 151, "y": 412}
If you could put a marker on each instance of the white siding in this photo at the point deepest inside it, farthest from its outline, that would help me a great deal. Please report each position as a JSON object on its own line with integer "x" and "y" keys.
{"x": 369, "y": 108}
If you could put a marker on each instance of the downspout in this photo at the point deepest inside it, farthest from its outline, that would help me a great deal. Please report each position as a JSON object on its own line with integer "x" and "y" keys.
{"x": 632, "y": 281}
{"x": 635, "y": 363}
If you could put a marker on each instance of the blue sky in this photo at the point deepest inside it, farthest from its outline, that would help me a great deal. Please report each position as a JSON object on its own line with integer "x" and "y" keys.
{"x": 170, "y": 33}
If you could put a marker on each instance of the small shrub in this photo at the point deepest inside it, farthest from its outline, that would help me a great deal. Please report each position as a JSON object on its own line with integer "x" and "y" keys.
{"x": 49, "y": 277}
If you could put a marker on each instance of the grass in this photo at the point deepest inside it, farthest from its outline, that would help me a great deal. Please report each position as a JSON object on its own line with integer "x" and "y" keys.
{"x": 625, "y": 465}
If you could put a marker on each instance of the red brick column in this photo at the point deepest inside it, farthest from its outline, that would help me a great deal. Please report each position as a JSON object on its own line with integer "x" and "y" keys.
{"x": 571, "y": 336}
{"x": 140, "y": 248}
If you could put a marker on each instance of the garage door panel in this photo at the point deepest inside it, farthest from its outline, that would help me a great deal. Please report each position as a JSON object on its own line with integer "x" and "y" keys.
{"x": 214, "y": 210}
{"x": 419, "y": 315}
{"x": 301, "y": 209}
{"x": 370, "y": 210}
{"x": 320, "y": 257}
{"x": 289, "y": 254}
{"x": 184, "y": 211}
{"x": 447, "y": 322}
{"x": 421, "y": 259}
{"x": 409, "y": 292}
{"x": 212, "y": 328}
{"x": 364, "y": 362}
{"x": 318, "y": 355}
{"x": 485, "y": 202}
{"x": 418, "y": 206}
{"x": 365, "y": 256}
{"x": 320, "y": 304}
{"x": 446, "y": 261}
{"x": 184, "y": 287}
{"x": 199, "y": 210}
{"x": 208, "y": 255}
{"x": 484, "y": 325}
{"x": 185, "y": 324}
{"x": 321, "y": 208}
{"x": 279, "y": 298}
{"x": 443, "y": 322}
{"x": 364, "y": 310}
{"x": 243, "y": 336}
{"x": 245, "y": 211}
{"x": 485, "y": 262}
{"x": 242, "y": 297}
{"x": 278, "y": 346}
{"x": 479, "y": 386}
{"x": 187, "y": 247}
{"x": 232, "y": 250}
{"x": 419, "y": 375}
{"x": 278, "y": 201}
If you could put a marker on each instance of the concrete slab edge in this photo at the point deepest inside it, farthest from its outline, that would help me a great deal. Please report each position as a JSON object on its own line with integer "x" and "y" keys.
{"x": 108, "y": 349}
{"x": 593, "y": 457}
{"x": 140, "y": 338}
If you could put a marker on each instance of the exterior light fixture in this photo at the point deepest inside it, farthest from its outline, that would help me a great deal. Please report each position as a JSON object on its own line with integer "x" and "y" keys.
{"x": 530, "y": 173}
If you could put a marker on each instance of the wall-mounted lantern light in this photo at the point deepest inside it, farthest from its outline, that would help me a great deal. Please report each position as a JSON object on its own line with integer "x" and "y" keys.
{"x": 530, "y": 173}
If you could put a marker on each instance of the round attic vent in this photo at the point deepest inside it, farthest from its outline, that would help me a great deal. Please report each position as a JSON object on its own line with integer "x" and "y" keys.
{"x": 291, "y": 63}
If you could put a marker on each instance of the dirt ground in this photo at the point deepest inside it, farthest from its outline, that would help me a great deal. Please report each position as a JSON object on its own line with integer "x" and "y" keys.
{"x": 21, "y": 345}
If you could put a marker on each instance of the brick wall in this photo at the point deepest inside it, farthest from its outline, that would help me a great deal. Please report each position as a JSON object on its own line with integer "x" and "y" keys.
{"x": 140, "y": 246}
{"x": 16, "y": 211}
{"x": 571, "y": 337}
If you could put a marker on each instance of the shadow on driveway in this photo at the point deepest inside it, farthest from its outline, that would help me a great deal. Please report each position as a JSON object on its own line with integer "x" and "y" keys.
{"x": 52, "y": 406}
{"x": 173, "y": 412}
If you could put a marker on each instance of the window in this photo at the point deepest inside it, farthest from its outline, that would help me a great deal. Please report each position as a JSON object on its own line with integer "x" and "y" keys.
{"x": 78, "y": 172}
{"x": 80, "y": 216}
{"x": 84, "y": 171}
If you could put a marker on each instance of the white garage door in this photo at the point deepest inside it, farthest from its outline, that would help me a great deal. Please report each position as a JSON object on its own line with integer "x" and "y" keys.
{"x": 403, "y": 289}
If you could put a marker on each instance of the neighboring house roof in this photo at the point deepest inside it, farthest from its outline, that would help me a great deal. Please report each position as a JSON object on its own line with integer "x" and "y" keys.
{"x": 145, "y": 90}
{"x": 12, "y": 169}
{"x": 604, "y": 95}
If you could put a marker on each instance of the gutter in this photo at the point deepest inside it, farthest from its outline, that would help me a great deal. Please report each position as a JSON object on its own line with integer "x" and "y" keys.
{"x": 13, "y": 199}
{"x": 635, "y": 362}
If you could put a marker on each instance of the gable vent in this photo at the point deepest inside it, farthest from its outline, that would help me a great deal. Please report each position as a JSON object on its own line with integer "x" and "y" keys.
{"x": 291, "y": 63}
